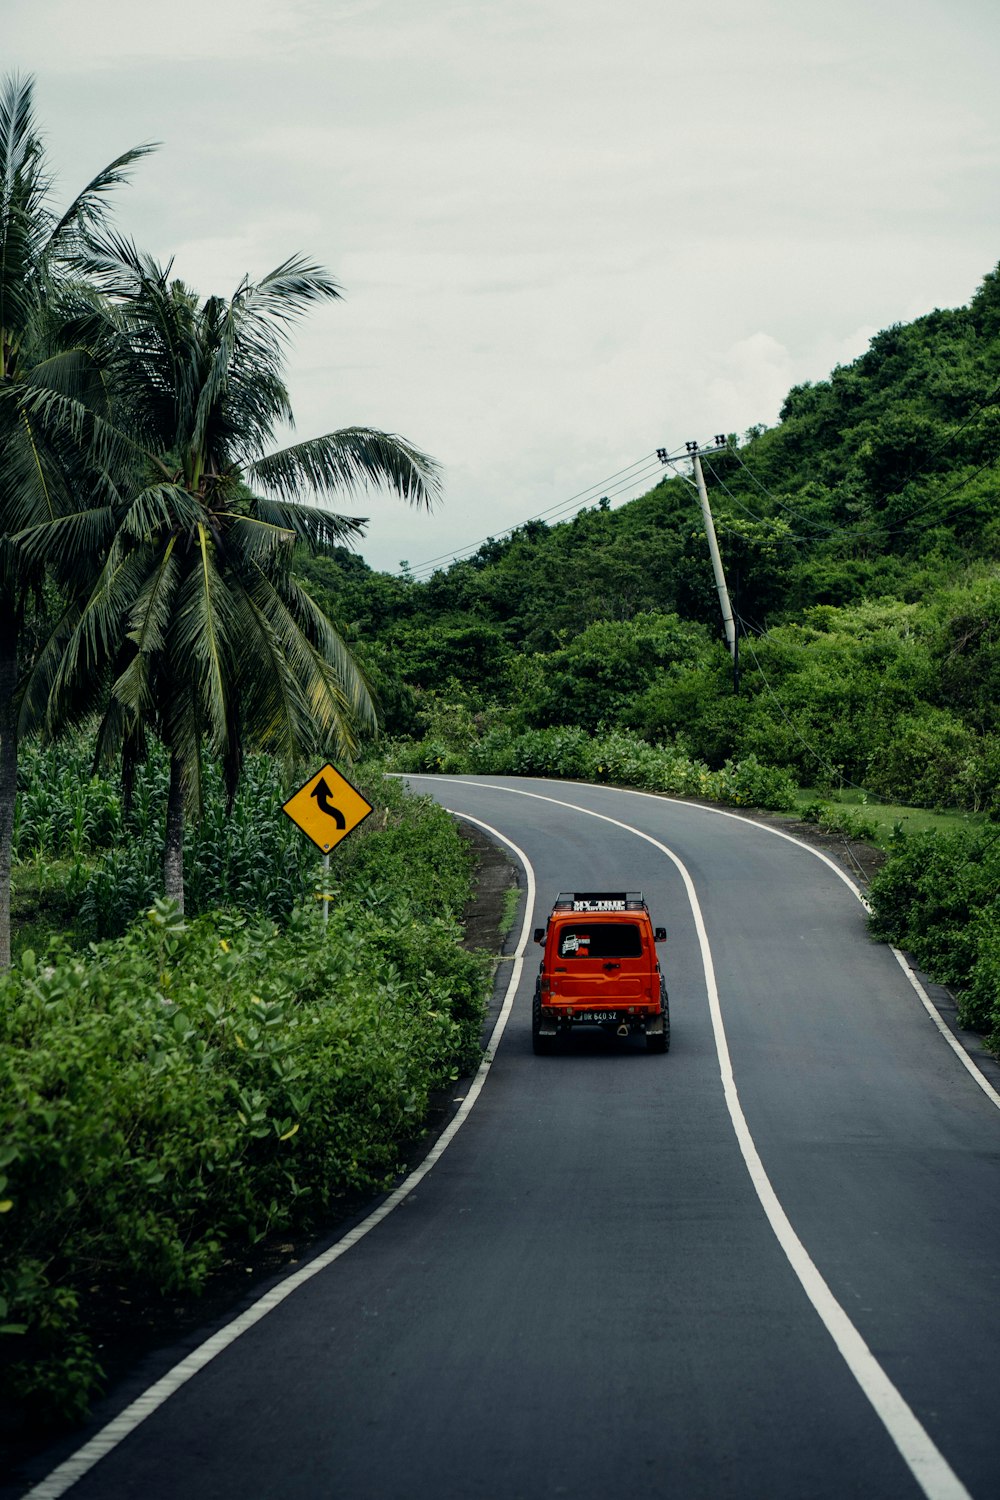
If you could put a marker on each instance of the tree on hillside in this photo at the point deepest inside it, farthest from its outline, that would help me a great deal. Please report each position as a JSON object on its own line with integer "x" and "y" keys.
{"x": 197, "y": 631}
{"x": 39, "y": 308}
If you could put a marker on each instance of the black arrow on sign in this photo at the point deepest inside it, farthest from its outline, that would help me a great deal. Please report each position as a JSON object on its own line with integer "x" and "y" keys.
{"x": 322, "y": 794}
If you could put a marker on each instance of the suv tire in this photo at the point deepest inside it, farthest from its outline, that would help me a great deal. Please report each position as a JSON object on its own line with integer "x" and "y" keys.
{"x": 541, "y": 1045}
{"x": 659, "y": 1041}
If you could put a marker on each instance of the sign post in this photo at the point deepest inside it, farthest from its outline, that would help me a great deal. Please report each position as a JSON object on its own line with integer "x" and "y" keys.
{"x": 326, "y": 809}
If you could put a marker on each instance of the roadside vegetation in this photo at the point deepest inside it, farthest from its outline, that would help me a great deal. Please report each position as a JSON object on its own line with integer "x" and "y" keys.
{"x": 171, "y": 1096}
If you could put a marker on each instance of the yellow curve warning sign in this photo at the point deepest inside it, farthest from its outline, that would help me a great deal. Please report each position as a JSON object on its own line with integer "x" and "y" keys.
{"x": 327, "y": 808}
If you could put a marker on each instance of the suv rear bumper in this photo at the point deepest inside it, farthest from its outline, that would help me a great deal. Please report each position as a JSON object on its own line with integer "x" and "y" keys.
{"x": 645, "y": 1020}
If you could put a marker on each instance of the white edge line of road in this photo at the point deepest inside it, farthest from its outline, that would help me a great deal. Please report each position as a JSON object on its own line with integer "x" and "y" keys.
{"x": 901, "y": 959}
{"x": 926, "y": 1462}
{"x": 852, "y": 885}
{"x": 79, "y": 1463}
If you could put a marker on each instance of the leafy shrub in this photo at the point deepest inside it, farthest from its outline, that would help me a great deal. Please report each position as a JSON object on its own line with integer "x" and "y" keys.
{"x": 849, "y": 821}
{"x": 191, "y": 1084}
{"x": 562, "y": 752}
{"x": 981, "y": 1001}
{"x": 749, "y": 781}
{"x": 595, "y": 677}
{"x": 938, "y": 896}
{"x": 617, "y": 757}
{"x": 930, "y": 759}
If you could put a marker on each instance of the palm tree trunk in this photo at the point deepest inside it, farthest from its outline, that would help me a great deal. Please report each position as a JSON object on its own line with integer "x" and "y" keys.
{"x": 173, "y": 854}
{"x": 8, "y": 771}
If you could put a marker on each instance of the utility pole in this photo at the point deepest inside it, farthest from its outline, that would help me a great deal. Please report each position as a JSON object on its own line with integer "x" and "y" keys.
{"x": 729, "y": 624}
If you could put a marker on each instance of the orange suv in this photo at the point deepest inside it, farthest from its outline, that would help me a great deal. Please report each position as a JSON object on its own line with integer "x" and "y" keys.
{"x": 600, "y": 968}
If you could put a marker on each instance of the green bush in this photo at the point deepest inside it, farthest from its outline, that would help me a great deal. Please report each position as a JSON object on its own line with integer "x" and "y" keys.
{"x": 194, "y": 1084}
{"x": 928, "y": 759}
{"x": 616, "y": 756}
{"x": 982, "y": 998}
{"x": 561, "y": 752}
{"x": 938, "y": 896}
{"x": 852, "y": 822}
{"x": 594, "y": 678}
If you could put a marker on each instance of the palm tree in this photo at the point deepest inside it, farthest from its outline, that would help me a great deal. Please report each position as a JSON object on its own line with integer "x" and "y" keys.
{"x": 210, "y": 640}
{"x": 39, "y": 309}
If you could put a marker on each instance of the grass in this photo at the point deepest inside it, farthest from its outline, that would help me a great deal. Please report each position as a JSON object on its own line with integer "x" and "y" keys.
{"x": 39, "y": 908}
{"x": 888, "y": 818}
{"x": 511, "y": 900}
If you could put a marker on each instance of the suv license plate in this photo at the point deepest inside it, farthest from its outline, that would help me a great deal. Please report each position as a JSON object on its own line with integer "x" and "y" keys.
{"x": 598, "y": 1015}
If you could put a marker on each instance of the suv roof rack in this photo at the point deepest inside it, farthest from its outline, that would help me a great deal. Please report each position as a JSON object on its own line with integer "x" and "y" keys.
{"x": 600, "y": 901}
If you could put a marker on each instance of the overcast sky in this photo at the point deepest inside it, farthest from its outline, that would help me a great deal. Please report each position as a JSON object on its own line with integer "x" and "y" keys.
{"x": 568, "y": 232}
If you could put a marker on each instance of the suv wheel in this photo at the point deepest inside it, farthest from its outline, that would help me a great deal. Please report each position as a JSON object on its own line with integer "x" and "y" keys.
{"x": 659, "y": 1041}
{"x": 541, "y": 1045}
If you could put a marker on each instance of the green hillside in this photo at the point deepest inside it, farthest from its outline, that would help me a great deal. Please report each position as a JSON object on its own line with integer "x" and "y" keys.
{"x": 860, "y": 537}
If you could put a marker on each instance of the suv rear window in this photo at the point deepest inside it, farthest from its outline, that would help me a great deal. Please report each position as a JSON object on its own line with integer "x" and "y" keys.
{"x": 602, "y": 940}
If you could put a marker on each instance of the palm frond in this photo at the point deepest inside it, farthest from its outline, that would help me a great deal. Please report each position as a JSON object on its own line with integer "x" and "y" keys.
{"x": 160, "y": 509}
{"x": 36, "y": 694}
{"x": 18, "y": 141}
{"x": 311, "y": 524}
{"x": 252, "y": 538}
{"x": 118, "y": 266}
{"x": 88, "y": 208}
{"x": 328, "y": 642}
{"x": 66, "y": 538}
{"x": 98, "y": 629}
{"x": 274, "y": 710}
{"x": 134, "y": 688}
{"x": 150, "y": 614}
{"x": 348, "y": 460}
{"x": 116, "y": 727}
{"x": 202, "y": 636}
{"x": 61, "y": 418}
{"x": 24, "y": 220}
{"x": 337, "y": 694}
{"x": 68, "y": 372}
{"x": 284, "y": 293}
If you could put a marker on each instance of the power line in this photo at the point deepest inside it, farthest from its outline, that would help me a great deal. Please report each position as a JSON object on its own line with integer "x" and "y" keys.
{"x": 424, "y": 570}
{"x": 541, "y": 515}
{"x": 777, "y": 541}
{"x": 816, "y": 525}
{"x": 875, "y": 527}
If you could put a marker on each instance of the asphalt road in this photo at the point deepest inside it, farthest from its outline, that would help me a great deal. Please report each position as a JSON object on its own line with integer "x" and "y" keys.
{"x": 763, "y": 1267}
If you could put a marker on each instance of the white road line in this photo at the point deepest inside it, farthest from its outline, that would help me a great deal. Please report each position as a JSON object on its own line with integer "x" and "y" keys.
{"x": 74, "y": 1468}
{"x": 901, "y": 959}
{"x": 926, "y": 1463}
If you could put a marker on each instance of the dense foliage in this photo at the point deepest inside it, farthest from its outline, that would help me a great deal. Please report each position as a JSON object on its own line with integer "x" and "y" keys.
{"x": 939, "y": 898}
{"x": 615, "y": 756}
{"x": 171, "y": 1094}
{"x": 87, "y": 864}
